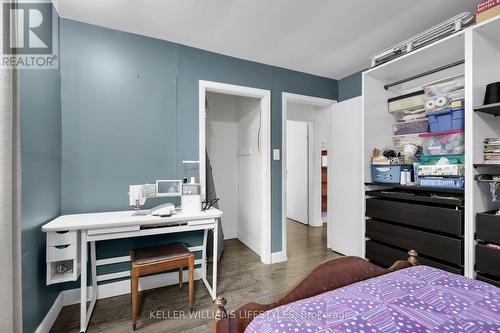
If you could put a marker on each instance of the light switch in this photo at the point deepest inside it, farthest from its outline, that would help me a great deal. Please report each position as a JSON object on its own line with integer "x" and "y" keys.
{"x": 276, "y": 154}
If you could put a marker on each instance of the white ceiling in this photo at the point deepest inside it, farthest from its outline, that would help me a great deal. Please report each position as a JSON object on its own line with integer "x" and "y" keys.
{"x": 330, "y": 38}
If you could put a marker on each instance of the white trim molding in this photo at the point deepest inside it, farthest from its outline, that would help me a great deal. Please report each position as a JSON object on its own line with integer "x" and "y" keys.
{"x": 49, "y": 320}
{"x": 277, "y": 257}
{"x": 265, "y": 106}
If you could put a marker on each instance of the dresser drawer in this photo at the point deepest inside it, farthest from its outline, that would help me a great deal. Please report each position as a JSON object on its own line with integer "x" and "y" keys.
{"x": 385, "y": 256}
{"x": 488, "y": 227}
{"x": 445, "y": 220}
{"x": 487, "y": 260}
{"x": 495, "y": 282}
{"x": 62, "y": 252}
{"x": 55, "y": 238}
{"x": 435, "y": 246}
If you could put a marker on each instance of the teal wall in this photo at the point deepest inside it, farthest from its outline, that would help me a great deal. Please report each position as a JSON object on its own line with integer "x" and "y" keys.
{"x": 130, "y": 114}
{"x": 122, "y": 109}
{"x": 40, "y": 112}
{"x": 350, "y": 86}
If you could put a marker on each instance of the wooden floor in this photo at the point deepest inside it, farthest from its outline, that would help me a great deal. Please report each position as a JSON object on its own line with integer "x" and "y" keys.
{"x": 242, "y": 277}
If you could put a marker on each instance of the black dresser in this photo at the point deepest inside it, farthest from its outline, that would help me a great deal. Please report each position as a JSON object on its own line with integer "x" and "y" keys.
{"x": 426, "y": 220}
{"x": 488, "y": 258}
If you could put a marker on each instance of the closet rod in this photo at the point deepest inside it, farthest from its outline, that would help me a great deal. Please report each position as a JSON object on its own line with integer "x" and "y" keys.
{"x": 460, "y": 62}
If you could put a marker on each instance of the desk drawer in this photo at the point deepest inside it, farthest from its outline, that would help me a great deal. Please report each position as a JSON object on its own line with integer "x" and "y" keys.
{"x": 423, "y": 216}
{"x": 436, "y": 246}
{"x": 488, "y": 227}
{"x": 55, "y": 238}
{"x": 488, "y": 260}
{"x": 62, "y": 252}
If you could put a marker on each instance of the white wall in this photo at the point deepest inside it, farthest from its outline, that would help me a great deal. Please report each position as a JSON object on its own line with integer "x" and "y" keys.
{"x": 221, "y": 133}
{"x": 232, "y": 127}
{"x": 320, "y": 118}
{"x": 250, "y": 175}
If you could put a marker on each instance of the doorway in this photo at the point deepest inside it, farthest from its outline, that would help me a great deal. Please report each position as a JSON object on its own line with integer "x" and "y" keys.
{"x": 235, "y": 150}
{"x": 306, "y": 136}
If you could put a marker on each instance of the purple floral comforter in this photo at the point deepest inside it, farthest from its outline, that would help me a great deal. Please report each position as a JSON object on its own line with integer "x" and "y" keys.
{"x": 417, "y": 299}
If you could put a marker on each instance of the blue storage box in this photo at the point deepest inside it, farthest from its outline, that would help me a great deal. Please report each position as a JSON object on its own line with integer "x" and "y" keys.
{"x": 389, "y": 174}
{"x": 446, "y": 120}
{"x": 441, "y": 182}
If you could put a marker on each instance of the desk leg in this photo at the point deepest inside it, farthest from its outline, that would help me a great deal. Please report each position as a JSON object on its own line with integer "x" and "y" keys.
{"x": 204, "y": 254}
{"x": 93, "y": 265}
{"x": 83, "y": 281}
{"x": 215, "y": 258}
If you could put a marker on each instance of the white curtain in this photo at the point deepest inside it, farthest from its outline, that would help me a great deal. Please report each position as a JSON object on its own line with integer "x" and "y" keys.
{"x": 10, "y": 216}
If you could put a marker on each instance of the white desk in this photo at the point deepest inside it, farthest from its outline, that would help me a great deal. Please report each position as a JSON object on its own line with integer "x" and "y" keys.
{"x": 79, "y": 229}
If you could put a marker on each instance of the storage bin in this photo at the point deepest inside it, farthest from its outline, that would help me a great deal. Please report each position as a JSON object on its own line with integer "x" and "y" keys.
{"x": 400, "y": 141}
{"x": 389, "y": 174}
{"x": 441, "y": 182}
{"x": 452, "y": 159}
{"x": 443, "y": 143}
{"x": 441, "y": 170}
{"x": 489, "y": 186}
{"x": 411, "y": 127}
{"x": 439, "y": 95}
{"x": 446, "y": 120}
{"x": 411, "y": 101}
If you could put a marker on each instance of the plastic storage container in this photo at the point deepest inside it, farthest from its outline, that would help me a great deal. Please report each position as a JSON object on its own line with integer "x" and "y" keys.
{"x": 400, "y": 141}
{"x": 443, "y": 143}
{"x": 430, "y": 170}
{"x": 441, "y": 182}
{"x": 452, "y": 159}
{"x": 439, "y": 95}
{"x": 411, "y": 127}
{"x": 389, "y": 174}
{"x": 407, "y": 102}
{"x": 446, "y": 120}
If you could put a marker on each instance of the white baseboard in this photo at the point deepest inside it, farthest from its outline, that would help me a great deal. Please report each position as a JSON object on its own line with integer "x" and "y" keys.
{"x": 51, "y": 316}
{"x": 255, "y": 247}
{"x": 277, "y": 257}
{"x": 72, "y": 296}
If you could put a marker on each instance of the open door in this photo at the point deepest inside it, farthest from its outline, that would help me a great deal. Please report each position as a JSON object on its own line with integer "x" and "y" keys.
{"x": 345, "y": 183}
{"x": 297, "y": 162}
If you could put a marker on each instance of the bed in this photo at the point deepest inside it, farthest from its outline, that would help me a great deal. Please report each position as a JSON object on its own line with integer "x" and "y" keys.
{"x": 349, "y": 294}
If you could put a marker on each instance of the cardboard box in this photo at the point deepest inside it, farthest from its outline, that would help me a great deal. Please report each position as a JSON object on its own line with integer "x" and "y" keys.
{"x": 486, "y": 4}
{"x": 488, "y": 14}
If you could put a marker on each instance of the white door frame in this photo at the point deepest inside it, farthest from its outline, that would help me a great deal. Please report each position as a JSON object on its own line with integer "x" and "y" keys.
{"x": 308, "y": 100}
{"x": 265, "y": 106}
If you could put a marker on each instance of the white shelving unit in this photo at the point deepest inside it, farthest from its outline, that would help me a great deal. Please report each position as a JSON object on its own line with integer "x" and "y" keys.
{"x": 479, "y": 49}
{"x": 483, "y": 67}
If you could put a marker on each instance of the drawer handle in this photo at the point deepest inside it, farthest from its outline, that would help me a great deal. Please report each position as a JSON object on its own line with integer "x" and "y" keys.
{"x": 60, "y": 247}
{"x": 62, "y": 232}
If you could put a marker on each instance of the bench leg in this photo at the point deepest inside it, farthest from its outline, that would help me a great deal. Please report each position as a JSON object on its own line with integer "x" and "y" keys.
{"x": 181, "y": 269}
{"x": 134, "y": 292}
{"x": 191, "y": 281}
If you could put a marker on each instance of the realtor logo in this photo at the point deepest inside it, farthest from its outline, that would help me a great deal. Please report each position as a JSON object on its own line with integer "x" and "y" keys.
{"x": 28, "y": 35}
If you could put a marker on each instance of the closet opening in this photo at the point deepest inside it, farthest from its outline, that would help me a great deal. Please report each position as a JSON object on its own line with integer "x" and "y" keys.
{"x": 235, "y": 144}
